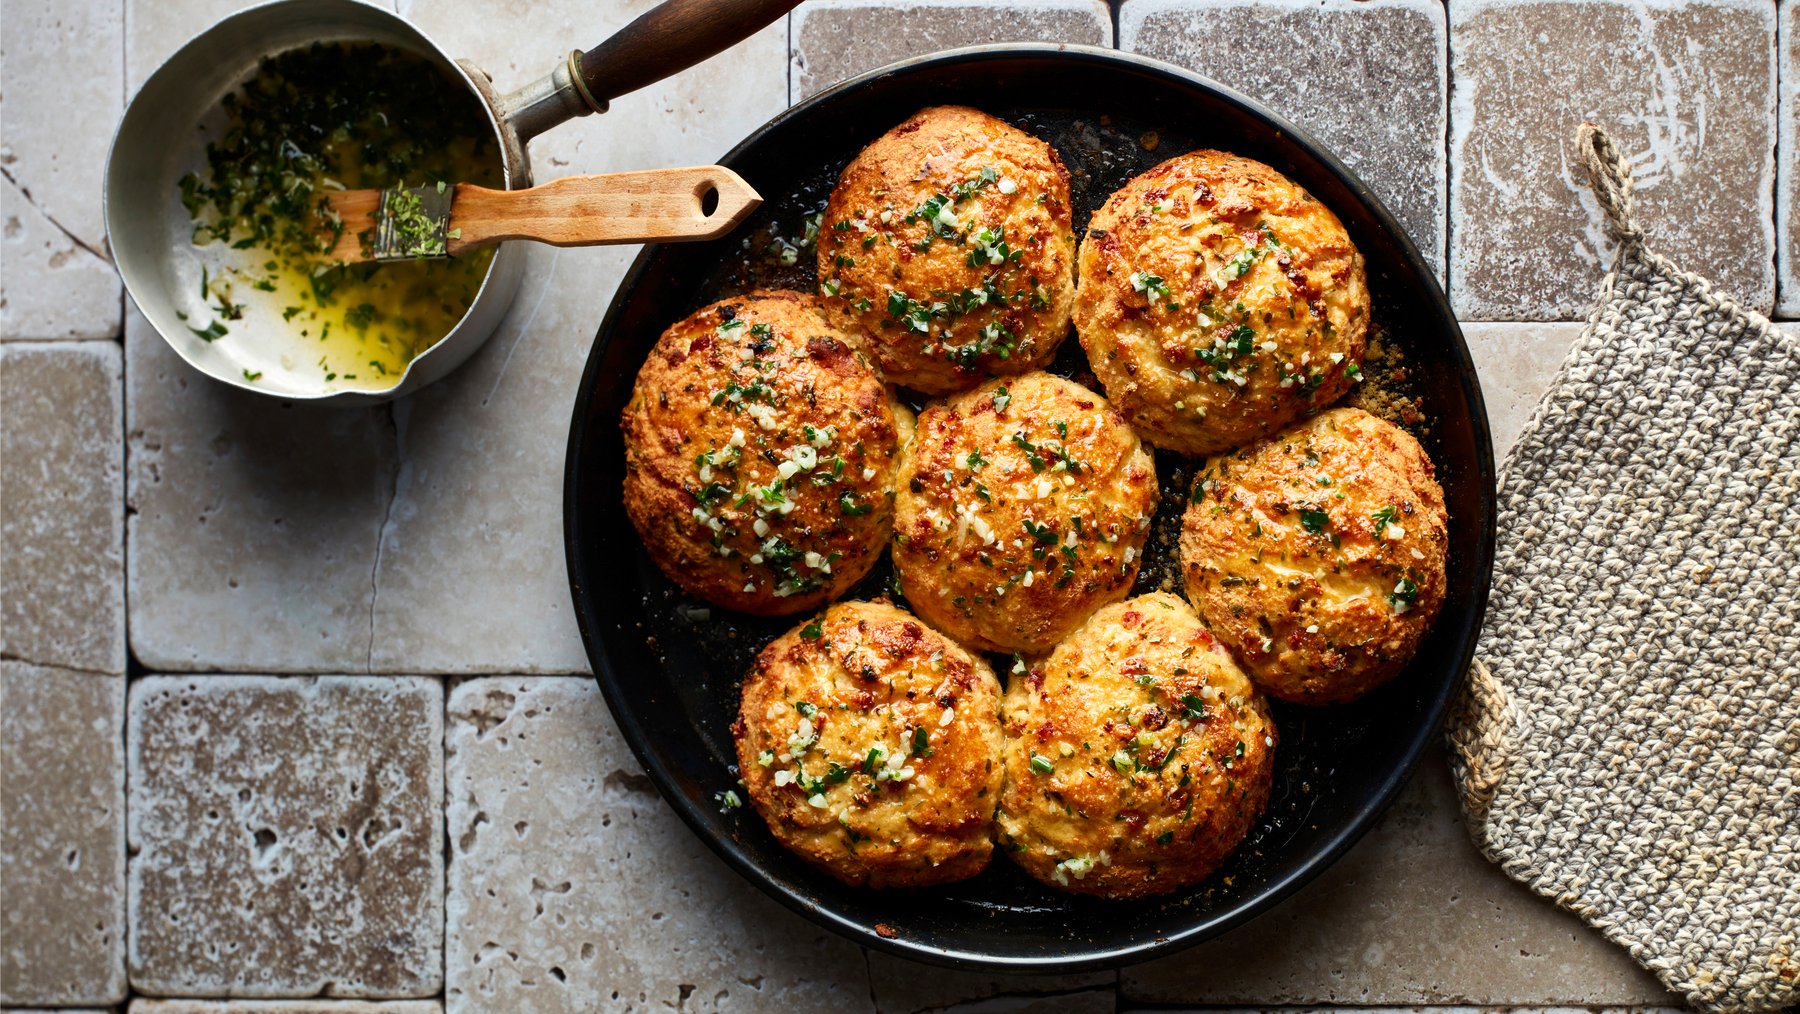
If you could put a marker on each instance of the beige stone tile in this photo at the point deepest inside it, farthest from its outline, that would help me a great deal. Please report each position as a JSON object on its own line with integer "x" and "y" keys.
{"x": 1787, "y": 144}
{"x": 253, "y": 521}
{"x": 573, "y": 887}
{"x": 59, "y": 282}
{"x": 155, "y": 29}
{"x": 62, "y": 509}
{"x": 59, "y": 125}
{"x": 1412, "y": 915}
{"x": 285, "y": 1007}
{"x": 898, "y": 985}
{"x": 1365, "y": 77}
{"x": 1687, "y": 89}
{"x": 1516, "y": 364}
{"x": 286, "y": 835}
{"x": 53, "y": 286}
{"x": 62, "y": 836}
{"x": 691, "y": 118}
{"x": 839, "y": 39}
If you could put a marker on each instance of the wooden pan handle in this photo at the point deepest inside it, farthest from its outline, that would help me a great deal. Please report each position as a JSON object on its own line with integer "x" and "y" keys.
{"x": 669, "y": 39}
{"x": 656, "y": 206}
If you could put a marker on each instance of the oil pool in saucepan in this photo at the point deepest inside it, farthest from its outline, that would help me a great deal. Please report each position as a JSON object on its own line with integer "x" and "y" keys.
{"x": 312, "y": 120}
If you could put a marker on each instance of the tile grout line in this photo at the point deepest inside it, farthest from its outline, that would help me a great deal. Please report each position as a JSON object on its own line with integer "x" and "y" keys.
{"x": 1449, "y": 107}
{"x": 126, "y": 926}
{"x": 124, "y": 514}
{"x": 1775, "y": 183}
{"x": 443, "y": 818}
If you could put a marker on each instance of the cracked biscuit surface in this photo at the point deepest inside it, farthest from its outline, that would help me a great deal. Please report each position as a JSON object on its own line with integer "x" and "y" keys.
{"x": 1138, "y": 755}
{"x": 1318, "y": 554}
{"x": 1219, "y": 302}
{"x": 948, "y": 241}
{"x": 1021, "y": 507}
{"x": 760, "y": 452}
{"x": 870, "y": 743}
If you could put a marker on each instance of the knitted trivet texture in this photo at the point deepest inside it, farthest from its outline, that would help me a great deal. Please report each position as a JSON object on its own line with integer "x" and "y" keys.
{"x": 1629, "y": 741}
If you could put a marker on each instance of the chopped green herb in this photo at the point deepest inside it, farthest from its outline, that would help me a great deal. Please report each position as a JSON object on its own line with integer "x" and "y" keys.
{"x": 1384, "y": 517}
{"x": 1405, "y": 594}
{"x": 1152, "y": 286}
{"x": 1238, "y": 265}
{"x": 1038, "y": 464}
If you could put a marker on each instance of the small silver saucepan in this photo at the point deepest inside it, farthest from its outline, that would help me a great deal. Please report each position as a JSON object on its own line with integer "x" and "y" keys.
{"x": 157, "y": 144}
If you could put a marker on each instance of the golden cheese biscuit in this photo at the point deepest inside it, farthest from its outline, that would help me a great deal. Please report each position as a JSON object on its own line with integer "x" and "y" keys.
{"x": 760, "y": 452}
{"x": 870, "y": 744}
{"x": 949, "y": 242}
{"x": 1318, "y": 555}
{"x": 1138, "y": 755}
{"x": 1219, "y": 302}
{"x": 1021, "y": 507}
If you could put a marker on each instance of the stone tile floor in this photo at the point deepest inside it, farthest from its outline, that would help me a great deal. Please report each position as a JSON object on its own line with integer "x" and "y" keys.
{"x": 442, "y": 815}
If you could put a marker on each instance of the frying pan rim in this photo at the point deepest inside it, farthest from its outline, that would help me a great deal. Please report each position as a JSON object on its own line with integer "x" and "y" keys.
{"x": 1364, "y": 815}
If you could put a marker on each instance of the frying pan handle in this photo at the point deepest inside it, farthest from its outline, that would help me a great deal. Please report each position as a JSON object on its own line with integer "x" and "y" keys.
{"x": 669, "y": 39}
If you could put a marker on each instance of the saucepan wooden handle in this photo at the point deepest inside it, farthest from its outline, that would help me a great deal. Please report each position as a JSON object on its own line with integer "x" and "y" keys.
{"x": 656, "y": 206}
{"x": 669, "y": 39}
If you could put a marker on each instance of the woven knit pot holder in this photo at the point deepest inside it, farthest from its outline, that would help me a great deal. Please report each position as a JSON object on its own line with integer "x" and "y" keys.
{"x": 1629, "y": 742}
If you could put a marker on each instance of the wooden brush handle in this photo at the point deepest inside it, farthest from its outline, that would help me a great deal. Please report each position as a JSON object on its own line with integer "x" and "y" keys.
{"x": 669, "y": 39}
{"x": 657, "y": 206}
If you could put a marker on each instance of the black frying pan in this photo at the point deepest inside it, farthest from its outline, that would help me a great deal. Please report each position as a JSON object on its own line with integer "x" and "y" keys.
{"x": 671, "y": 677}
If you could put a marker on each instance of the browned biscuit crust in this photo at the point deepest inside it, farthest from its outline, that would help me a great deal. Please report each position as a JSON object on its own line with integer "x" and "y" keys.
{"x": 1022, "y": 507}
{"x": 1318, "y": 555}
{"x": 1219, "y": 302}
{"x": 949, "y": 242}
{"x": 1138, "y": 755}
{"x": 760, "y": 453}
{"x": 871, "y": 746}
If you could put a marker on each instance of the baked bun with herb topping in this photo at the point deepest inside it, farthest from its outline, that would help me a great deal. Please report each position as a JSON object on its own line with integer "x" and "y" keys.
{"x": 1021, "y": 508}
{"x": 870, "y": 744}
{"x": 1318, "y": 555}
{"x": 1219, "y": 302}
{"x": 949, "y": 241}
{"x": 760, "y": 453}
{"x": 1138, "y": 755}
